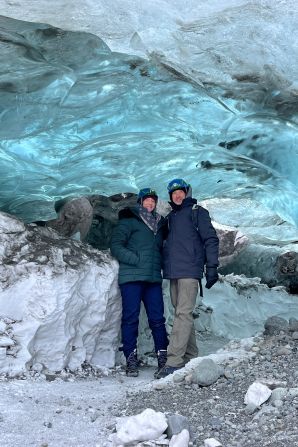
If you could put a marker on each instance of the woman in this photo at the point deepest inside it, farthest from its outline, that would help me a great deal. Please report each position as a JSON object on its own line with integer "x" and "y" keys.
{"x": 137, "y": 243}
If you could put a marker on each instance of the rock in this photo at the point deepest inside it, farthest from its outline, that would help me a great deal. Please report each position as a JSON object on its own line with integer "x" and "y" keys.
{"x": 105, "y": 217}
{"x": 250, "y": 408}
{"x": 277, "y": 403}
{"x": 231, "y": 242}
{"x": 50, "y": 377}
{"x": 75, "y": 217}
{"x": 146, "y": 426}
{"x": 206, "y": 373}
{"x": 179, "y": 376}
{"x": 176, "y": 423}
{"x": 293, "y": 392}
{"x": 272, "y": 383}
{"x": 180, "y": 440}
{"x": 215, "y": 423}
{"x": 283, "y": 350}
{"x": 274, "y": 325}
{"x": 293, "y": 325}
{"x": 212, "y": 442}
{"x": 257, "y": 394}
{"x": 160, "y": 385}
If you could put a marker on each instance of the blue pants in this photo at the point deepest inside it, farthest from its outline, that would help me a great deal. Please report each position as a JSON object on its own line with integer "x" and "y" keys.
{"x": 151, "y": 294}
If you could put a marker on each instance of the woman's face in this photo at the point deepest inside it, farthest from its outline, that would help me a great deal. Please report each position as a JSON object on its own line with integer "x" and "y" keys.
{"x": 149, "y": 204}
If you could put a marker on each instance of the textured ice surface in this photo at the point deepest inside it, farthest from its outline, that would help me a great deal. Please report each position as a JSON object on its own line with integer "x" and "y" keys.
{"x": 59, "y": 301}
{"x": 78, "y": 119}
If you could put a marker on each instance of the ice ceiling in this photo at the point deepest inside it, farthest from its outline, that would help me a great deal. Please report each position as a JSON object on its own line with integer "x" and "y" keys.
{"x": 218, "y": 107}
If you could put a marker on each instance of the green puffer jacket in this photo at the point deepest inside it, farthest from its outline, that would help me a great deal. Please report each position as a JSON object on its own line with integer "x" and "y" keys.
{"x": 137, "y": 248}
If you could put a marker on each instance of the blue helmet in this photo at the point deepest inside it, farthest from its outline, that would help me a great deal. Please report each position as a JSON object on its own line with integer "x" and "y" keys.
{"x": 145, "y": 193}
{"x": 178, "y": 183}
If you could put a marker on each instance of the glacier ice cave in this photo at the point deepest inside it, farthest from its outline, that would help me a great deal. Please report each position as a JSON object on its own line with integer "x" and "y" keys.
{"x": 125, "y": 96}
{"x": 79, "y": 119}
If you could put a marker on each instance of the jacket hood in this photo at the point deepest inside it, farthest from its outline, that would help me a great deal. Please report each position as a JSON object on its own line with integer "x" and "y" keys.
{"x": 189, "y": 192}
{"x": 127, "y": 213}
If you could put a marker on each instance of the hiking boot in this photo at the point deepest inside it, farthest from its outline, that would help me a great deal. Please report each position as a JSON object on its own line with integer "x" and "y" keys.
{"x": 161, "y": 360}
{"x": 132, "y": 365}
{"x": 165, "y": 371}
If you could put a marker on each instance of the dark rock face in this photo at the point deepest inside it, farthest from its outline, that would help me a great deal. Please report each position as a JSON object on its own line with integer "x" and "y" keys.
{"x": 274, "y": 325}
{"x": 93, "y": 217}
{"x": 287, "y": 268}
{"x": 105, "y": 217}
{"x": 74, "y": 217}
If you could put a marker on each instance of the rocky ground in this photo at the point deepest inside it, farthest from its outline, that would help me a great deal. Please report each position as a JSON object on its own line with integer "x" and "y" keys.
{"x": 82, "y": 409}
{"x": 218, "y": 410}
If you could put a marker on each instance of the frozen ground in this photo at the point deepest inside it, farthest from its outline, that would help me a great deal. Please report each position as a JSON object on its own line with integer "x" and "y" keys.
{"x": 83, "y": 412}
{"x": 72, "y": 413}
{"x": 77, "y": 411}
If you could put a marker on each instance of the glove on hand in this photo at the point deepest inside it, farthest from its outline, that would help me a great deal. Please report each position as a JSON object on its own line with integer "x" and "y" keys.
{"x": 211, "y": 276}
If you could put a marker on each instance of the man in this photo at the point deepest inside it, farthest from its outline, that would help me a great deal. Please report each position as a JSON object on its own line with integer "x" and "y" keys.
{"x": 192, "y": 242}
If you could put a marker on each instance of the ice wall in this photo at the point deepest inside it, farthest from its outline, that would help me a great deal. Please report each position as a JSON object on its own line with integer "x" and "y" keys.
{"x": 77, "y": 118}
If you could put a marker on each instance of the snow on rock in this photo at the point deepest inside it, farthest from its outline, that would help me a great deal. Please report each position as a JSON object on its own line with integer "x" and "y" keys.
{"x": 59, "y": 301}
{"x": 6, "y": 341}
{"x": 257, "y": 394}
{"x": 146, "y": 426}
{"x": 180, "y": 440}
{"x": 212, "y": 442}
{"x": 2, "y": 327}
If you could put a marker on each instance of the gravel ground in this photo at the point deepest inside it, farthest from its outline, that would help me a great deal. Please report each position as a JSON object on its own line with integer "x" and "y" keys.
{"x": 218, "y": 411}
{"x": 81, "y": 410}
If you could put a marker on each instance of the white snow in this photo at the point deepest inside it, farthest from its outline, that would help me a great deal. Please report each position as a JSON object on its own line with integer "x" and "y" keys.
{"x": 59, "y": 301}
{"x": 212, "y": 442}
{"x": 180, "y": 440}
{"x": 257, "y": 394}
{"x": 146, "y": 426}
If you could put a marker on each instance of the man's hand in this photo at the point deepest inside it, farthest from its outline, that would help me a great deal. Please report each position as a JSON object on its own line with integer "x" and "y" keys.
{"x": 211, "y": 276}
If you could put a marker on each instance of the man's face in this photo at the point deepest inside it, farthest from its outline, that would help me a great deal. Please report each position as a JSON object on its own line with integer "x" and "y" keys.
{"x": 149, "y": 204}
{"x": 178, "y": 196}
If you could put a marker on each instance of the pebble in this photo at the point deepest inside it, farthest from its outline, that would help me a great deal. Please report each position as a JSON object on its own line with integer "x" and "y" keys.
{"x": 218, "y": 411}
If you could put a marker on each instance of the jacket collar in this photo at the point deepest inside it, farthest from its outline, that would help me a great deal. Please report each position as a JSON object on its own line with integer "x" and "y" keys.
{"x": 127, "y": 213}
{"x": 188, "y": 201}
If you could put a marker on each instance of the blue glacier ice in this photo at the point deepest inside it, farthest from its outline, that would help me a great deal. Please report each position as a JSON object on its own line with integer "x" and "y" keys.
{"x": 77, "y": 118}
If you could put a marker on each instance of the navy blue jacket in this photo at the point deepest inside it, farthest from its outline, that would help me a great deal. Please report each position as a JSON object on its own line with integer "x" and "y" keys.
{"x": 187, "y": 249}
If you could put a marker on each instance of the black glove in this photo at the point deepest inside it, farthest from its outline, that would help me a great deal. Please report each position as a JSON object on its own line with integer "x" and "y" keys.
{"x": 211, "y": 276}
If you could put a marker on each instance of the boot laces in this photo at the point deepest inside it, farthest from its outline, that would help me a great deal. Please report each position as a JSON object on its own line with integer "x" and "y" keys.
{"x": 162, "y": 358}
{"x": 132, "y": 360}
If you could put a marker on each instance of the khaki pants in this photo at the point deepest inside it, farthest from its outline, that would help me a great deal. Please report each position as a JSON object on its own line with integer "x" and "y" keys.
{"x": 182, "y": 346}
